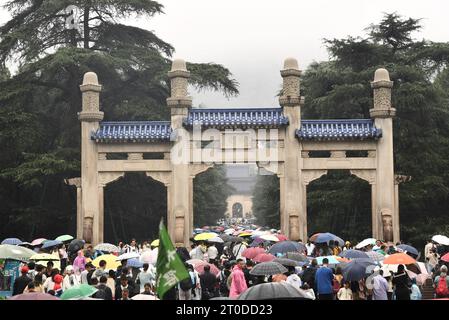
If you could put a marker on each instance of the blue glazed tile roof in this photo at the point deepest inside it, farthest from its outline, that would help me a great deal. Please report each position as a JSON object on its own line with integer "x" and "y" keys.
{"x": 345, "y": 129}
{"x": 232, "y": 118}
{"x": 133, "y": 131}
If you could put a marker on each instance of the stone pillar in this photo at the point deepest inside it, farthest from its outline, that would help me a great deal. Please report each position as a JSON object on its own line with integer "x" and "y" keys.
{"x": 79, "y": 218}
{"x": 101, "y": 212}
{"x": 293, "y": 215}
{"x": 180, "y": 193}
{"x": 90, "y": 116}
{"x": 398, "y": 179}
{"x": 383, "y": 114}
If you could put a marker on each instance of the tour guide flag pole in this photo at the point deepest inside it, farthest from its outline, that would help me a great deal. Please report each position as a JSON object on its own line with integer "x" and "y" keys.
{"x": 169, "y": 266}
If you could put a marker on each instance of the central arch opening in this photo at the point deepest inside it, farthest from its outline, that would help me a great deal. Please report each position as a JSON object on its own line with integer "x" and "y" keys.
{"x": 339, "y": 203}
{"x": 133, "y": 208}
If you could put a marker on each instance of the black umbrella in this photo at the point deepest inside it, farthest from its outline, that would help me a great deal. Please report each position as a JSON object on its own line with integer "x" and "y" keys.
{"x": 273, "y": 290}
{"x": 286, "y": 246}
{"x": 76, "y": 245}
{"x": 296, "y": 256}
{"x": 408, "y": 249}
{"x": 357, "y": 269}
{"x": 225, "y": 237}
{"x": 287, "y": 262}
{"x": 267, "y": 269}
{"x": 352, "y": 254}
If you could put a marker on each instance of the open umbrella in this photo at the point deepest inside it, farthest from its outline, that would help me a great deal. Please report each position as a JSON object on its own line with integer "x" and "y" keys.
{"x": 352, "y": 254}
{"x": 200, "y": 268}
{"x": 76, "y": 245}
{"x": 12, "y": 241}
{"x": 286, "y": 246}
{"x": 78, "y": 292}
{"x": 225, "y": 237}
{"x": 216, "y": 240}
{"x": 399, "y": 258}
{"x": 331, "y": 259}
{"x": 251, "y": 253}
{"x": 267, "y": 269}
{"x": 273, "y": 290}
{"x": 327, "y": 236}
{"x": 205, "y": 236}
{"x": 263, "y": 257}
{"x": 44, "y": 258}
{"x": 144, "y": 297}
{"x": 107, "y": 247}
{"x": 64, "y": 238}
{"x": 8, "y": 251}
{"x": 155, "y": 243}
{"x": 50, "y": 244}
{"x": 358, "y": 269}
{"x": 287, "y": 262}
{"x": 110, "y": 259}
{"x": 134, "y": 263}
{"x": 33, "y": 296}
{"x": 445, "y": 258}
{"x": 441, "y": 239}
{"x": 299, "y": 257}
{"x": 408, "y": 249}
{"x": 366, "y": 242}
{"x": 269, "y": 237}
{"x": 128, "y": 255}
{"x": 38, "y": 242}
{"x": 281, "y": 237}
{"x": 374, "y": 255}
{"x": 194, "y": 262}
{"x": 149, "y": 256}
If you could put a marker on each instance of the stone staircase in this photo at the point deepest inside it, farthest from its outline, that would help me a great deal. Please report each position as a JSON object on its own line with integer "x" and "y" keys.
{"x": 428, "y": 290}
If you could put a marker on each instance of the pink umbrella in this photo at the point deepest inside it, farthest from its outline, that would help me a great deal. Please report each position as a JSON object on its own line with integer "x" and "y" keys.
{"x": 251, "y": 253}
{"x": 37, "y": 242}
{"x": 264, "y": 257}
{"x": 445, "y": 258}
{"x": 281, "y": 237}
{"x": 200, "y": 268}
{"x": 34, "y": 296}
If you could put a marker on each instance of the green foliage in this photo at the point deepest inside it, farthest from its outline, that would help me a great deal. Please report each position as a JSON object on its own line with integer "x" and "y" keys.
{"x": 340, "y": 88}
{"x": 39, "y": 130}
{"x": 210, "y": 191}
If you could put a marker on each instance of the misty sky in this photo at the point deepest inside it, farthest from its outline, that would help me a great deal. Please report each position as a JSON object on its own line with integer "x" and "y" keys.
{"x": 252, "y": 38}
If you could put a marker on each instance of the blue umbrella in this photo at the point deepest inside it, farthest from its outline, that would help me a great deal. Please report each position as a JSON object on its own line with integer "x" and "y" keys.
{"x": 352, "y": 254}
{"x": 326, "y": 237}
{"x": 12, "y": 241}
{"x": 357, "y": 269}
{"x": 331, "y": 259}
{"x": 51, "y": 243}
{"x": 134, "y": 263}
{"x": 287, "y": 246}
{"x": 409, "y": 249}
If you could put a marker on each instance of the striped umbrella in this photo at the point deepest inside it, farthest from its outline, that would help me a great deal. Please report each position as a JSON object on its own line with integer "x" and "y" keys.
{"x": 268, "y": 269}
{"x": 287, "y": 262}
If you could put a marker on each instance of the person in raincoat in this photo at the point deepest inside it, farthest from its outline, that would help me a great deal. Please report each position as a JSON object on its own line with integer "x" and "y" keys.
{"x": 79, "y": 264}
{"x": 416, "y": 293}
{"x": 238, "y": 282}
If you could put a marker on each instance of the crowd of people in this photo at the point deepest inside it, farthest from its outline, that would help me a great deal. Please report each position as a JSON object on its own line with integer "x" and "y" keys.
{"x": 223, "y": 269}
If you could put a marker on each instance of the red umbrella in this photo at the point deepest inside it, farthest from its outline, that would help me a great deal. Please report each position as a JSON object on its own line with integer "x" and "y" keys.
{"x": 251, "y": 253}
{"x": 445, "y": 258}
{"x": 200, "y": 268}
{"x": 264, "y": 257}
{"x": 281, "y": 237}
{"x": 34, "y": 296}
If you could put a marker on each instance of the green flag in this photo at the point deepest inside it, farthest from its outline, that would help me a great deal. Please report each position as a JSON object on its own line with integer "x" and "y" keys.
{"x": 169, "y": 266}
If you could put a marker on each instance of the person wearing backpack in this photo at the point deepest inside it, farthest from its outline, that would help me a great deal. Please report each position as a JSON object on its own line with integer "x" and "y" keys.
{"x": 208, "y": 284}
{"x": 223, "y": 279}
{"x": 442, "y": 283}
{"x": 187, "y": 285}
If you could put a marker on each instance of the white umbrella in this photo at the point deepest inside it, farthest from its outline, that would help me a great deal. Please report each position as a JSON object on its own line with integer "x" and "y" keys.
{"x": 144, "y": 297}
{"x": 216, "y": 240}
{"x": 128, "y": 255}
{"x": 365, "y": 243}
{"x": 441, "y": 239}
{"x": 269, "y": 237}
{"x": 229, "y": 231}
{"x": 149, "y": 256}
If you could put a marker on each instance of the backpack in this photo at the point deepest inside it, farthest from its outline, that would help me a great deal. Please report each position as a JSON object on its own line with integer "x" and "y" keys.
{"x": 186, "y": 284}
{"x": 442, "y": 289}
{"x": 223, "y": 283}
